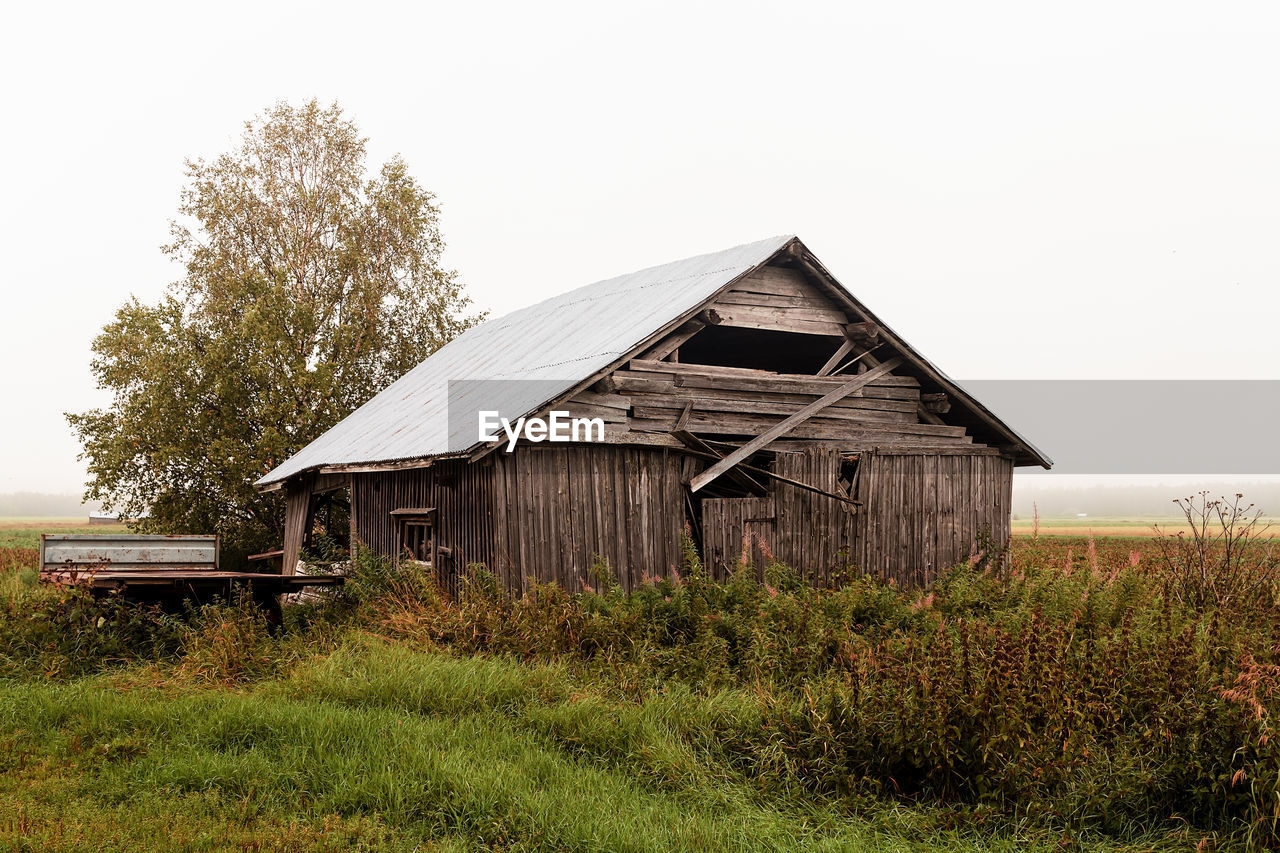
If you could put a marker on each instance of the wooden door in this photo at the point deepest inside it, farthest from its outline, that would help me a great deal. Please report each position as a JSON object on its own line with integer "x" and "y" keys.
{"x": 735, "y": 530}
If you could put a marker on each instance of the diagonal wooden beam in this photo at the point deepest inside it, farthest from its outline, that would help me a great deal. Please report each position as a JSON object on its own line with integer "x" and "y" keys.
{"x": 692, "y": 442}
{"x": 739, "y": 474}
{"x": 683, "y": 420}
{"x": 713, "y": 455}
{"x": 784, "y": 426}
{"x": 834, "y": 362}
{"x": 928, "y": 416}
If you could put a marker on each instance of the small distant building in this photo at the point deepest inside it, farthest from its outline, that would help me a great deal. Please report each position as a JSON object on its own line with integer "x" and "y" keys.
{"x": 746, "y": 397}
{"x": 104, "y": 518}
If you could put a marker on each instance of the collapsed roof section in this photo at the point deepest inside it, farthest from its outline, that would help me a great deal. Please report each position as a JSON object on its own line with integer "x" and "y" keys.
{"x": 569, "y": 343}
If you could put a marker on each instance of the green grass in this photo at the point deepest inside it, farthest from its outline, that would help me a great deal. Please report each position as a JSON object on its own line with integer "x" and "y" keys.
{"x": 1058, "y": 703}
{"x": 380, "y": 747}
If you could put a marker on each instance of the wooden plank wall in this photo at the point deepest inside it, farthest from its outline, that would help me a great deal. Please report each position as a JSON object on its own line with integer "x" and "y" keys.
{"x": 461, "y": 494}
{"x": 816, "y": 535}
{"x": 811, "y": 533}
{"x": 735, "y": 529}
{"x": 922, "y": 512}
{"x": 557, "y": 507}
{"x": 783, "y": 299}
{"x": 546, "y": 511}
{"x": 738, "y": 401}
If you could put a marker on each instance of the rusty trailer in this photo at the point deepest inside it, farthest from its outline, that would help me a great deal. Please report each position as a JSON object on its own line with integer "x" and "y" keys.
{"x": 161, "y": 569}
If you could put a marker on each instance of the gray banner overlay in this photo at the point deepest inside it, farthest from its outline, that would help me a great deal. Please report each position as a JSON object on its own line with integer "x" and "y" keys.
{"x": 1123, "y": 426}
{"x": 1086, "y": 426}
{"x": 510, "y": 398}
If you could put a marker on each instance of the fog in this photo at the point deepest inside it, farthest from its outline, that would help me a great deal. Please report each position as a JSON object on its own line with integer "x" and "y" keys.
{"x": 1023, "y": 191}
{"x": 1062, "y": 496}
{"x": 40, "y": 505}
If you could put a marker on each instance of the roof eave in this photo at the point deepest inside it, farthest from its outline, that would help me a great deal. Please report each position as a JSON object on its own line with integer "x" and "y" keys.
{"x": 409, "y": 462}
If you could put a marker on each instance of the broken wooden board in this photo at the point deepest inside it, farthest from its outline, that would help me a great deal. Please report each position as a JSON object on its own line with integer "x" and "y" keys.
{"x": 790, "y": 423}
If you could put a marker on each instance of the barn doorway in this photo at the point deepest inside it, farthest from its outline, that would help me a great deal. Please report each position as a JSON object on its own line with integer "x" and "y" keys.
{"x": 737, "y": 531}
{"x": 417, "y": 539}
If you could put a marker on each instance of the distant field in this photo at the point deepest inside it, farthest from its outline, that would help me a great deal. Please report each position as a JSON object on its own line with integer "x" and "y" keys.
{"x": 25, "y": 532}
{"x": 1111, "y": 526}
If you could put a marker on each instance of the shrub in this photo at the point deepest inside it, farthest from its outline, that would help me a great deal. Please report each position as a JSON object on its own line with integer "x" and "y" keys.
{"x": 1071, "y": 689}
{"x": 1224, "y": 559}
{"x": 66, "y": 633}
{"x": 229, "y": 643}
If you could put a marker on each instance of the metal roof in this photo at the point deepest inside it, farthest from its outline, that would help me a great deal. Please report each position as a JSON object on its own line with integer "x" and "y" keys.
{"x": 560, "y": 342}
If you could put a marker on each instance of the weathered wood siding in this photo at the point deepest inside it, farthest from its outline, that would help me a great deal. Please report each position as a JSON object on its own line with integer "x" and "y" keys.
{"x": 297, "y": 519}
{"x": 461, "y": 494}
{"x": 558, "y": 507}
{"x": 811, "y": 533}
{"x": 735, "y": 529}
{"x": 816, "y": 535}
{"x": 922, "y": 513}
{"x": 784, "y": 299}
{"x": 737, "y": 401}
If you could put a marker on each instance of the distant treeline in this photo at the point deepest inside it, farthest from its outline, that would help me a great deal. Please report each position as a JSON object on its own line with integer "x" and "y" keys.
{"x": 1056, "y": 499}
{"x": 40, "y": 505}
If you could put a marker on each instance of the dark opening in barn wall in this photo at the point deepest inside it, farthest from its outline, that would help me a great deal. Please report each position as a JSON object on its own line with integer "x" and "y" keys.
{"x": 331, "y": 520}
{"x": 759, "y": 349}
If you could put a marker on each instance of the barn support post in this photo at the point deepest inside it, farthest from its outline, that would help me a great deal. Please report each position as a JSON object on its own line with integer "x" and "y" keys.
{"x": 297, "y": 520}
{"x": 352, "y": 533}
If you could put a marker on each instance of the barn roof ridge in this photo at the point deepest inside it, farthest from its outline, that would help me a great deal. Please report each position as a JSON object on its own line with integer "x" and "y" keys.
{"x": 408, "y": 420}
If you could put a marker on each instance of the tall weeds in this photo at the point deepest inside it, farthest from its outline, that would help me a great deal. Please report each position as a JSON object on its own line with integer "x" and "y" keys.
{"x": 1070, "y": 689}
{"x": 1080, "y": 684}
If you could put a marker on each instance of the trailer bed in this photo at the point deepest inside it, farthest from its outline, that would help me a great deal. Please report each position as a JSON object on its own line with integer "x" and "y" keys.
{"x": 160, "y": 568}
{"x": 109, "y": 580}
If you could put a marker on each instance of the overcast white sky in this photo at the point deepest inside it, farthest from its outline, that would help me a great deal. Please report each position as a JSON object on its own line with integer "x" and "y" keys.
{"x": 1082, "y": 192}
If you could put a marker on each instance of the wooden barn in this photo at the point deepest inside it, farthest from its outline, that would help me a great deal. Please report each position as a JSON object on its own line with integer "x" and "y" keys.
{"x": 746, "y": 397}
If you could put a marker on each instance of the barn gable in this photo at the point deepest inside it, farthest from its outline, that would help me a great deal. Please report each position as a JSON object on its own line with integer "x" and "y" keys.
{"x": 768, "y": 307}
{"x": 768, "y": 344}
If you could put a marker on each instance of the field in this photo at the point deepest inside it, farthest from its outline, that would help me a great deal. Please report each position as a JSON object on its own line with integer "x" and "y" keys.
{"x": 25, "y": 532}
{"x": 1067, "y": 699}
{"x": 1094, "y": 526}
{"x": 1099, "y": 526}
